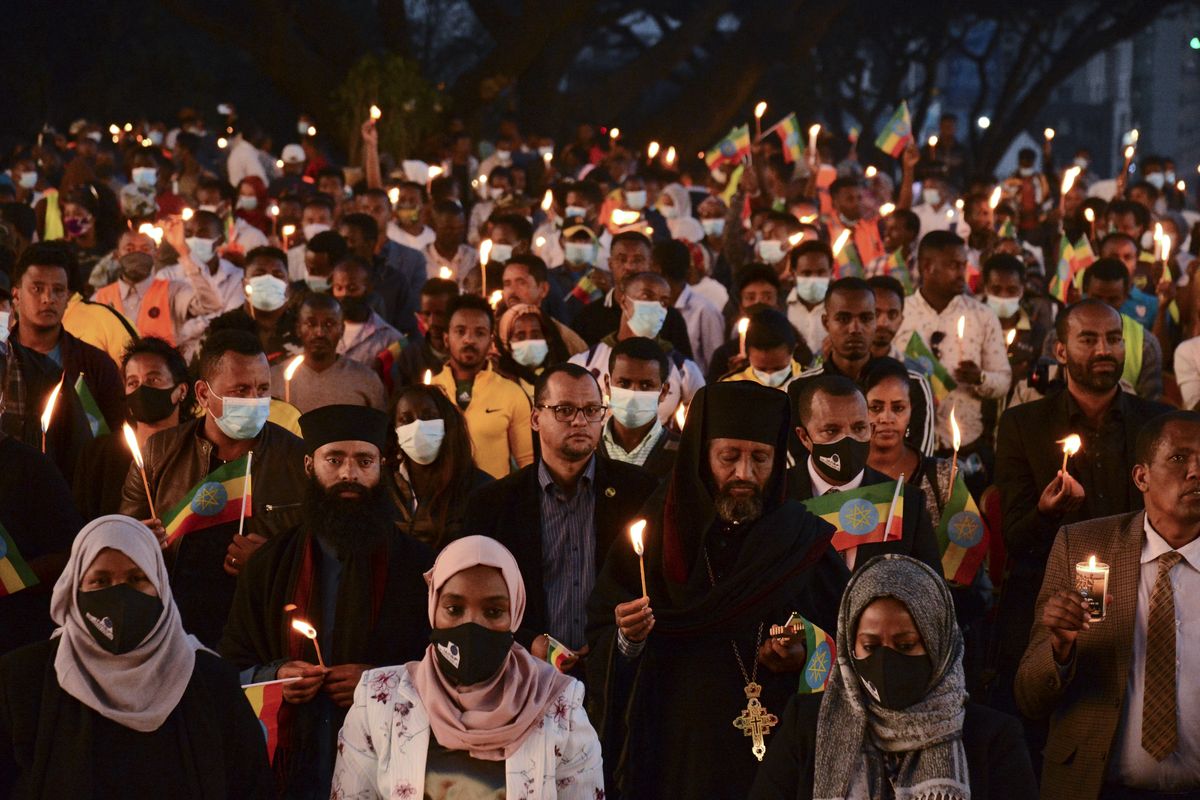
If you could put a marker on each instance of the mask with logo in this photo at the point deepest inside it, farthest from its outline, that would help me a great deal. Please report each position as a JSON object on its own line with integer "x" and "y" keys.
{"x": 318, "y": 283}
{"x": 635, "y": 200}
{"x": 355, "y": 308}
{"x": 647, "y": 318}
{"x": 500, "y": 253}
{"x": 530, "y": 352}
{"x": 1005, "y": 307}
{"x": 773, "y": 379}
{"x": 247, "y": 202}
{"x": 267, "y": 293}
{"x": 468, "y": 654}
{"x": 312, "y": 229}
{"x": 580, "y": 252}
{"x": 242, "y": 418}
{"x": 150, "y": 404}
{"x": 894, "y": 680}
{"x": 811, "y": 288}
{"x": 713, "y": 227}
{"x": 28, "y": 180}
{"x": 119, "y": 617}
{"x": 1155, "y": 179}
{"x": 144, "y": 177}
{"x": 932, "y": 197}
{"x": 136, "y": 267}
{"x": 201, "y": 250}
{"x": 421, "y": 439}
{"x": 633, "y": 409}
{"x": 770, "y": 251}
{"x": 843, "y": 459}
{"x": 575, "y": 211}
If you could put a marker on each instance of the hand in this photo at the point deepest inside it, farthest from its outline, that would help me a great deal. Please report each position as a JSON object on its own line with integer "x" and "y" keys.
{"x": 1062, "y": 495}
{"x": 910, "y": 156}
{"x": 1166, "y": 293}
{"x": 1065, "y": 615}
{"x": 340, "y": 682}
{"x": 540, "y": 647}
{"x": 968, "y": 372}
{"x": 172, "y": 228}
{"x": 749, "y": 181}
{"x": 602, "y": 279}
{"x": 635, "y": 619}
{"x": 311, "y": 677}
{"x": 240, "y": 550}
{"x": 370, "y": 135}
{"x": 783, "y": 653}
{"x": 156, "y": 527}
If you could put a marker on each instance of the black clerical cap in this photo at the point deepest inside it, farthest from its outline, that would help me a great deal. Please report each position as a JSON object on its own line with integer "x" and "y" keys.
{"x": 744, "y": 410}
{"x": 343, "y": 424}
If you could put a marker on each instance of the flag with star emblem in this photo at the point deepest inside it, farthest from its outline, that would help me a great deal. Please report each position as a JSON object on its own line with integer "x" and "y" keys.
{"x": 15, "y": 574}
{"x": 962, "y": 536}
{"x": 860, "y": 514}
{"x": 820, "y": 652}
{"x": 896, "y": 134}
{"x": 731, "y": 149}
{"x": 217, "y": 498}
{"x": 939, "y": 377}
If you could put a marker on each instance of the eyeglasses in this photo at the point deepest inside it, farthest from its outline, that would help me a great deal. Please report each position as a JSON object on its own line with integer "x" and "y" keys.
{"x": 935, "y": 344}
{"x": 566, "y": 413}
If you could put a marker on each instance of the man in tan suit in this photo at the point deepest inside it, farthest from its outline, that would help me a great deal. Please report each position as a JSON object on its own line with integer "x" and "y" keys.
{"x": 1121, "y": 691}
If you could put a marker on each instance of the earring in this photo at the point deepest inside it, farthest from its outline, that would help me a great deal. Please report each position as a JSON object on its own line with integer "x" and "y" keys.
{"x": 907, "y": 432}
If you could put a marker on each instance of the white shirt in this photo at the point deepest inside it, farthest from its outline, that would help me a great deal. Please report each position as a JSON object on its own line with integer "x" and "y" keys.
{"x": 982, "y": 342}
{"x": 820, "y": 486}
{"x": 243, "y": 161}
{"x": 705, "y": 325}
{"x": 807, "y": 321}
{"x": 248, "y": 236}
{"x": 1131, "y": 765}
{"x": 418, "y": 242}
{"x": 712, "y": 291}
{"x": 681, "y": 384}
{"x": 937, "y": 219}
{"x": 466, "y": 258}
{"x": 297, "y": 269}
{"x": 1187, "y": 371}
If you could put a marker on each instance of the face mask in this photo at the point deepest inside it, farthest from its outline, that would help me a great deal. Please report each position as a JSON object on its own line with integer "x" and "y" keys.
{"x": 500, "y": 253}
{"x": 202, "y": 250}
{"x": 1004, "y": 307}
{"x": 312, "y": 229}
{"x": 407, "y": 216}
{"x": 210, "y": 209}
{"x": 576, "y": 211}
{"x": 247, "y": 202}
{"x": 355, "y": 309}
{"x": 893, "y": 679}
{"x": 156, "y": 138}
{"x": 119, "y": 617}
{"x": 468, "y": 654}
{"x": 932, "y": 196}
{"x": 773, "y": 379}
{"x": 770, "y": 251}
{"x": 669, "y": 212}
{"x": 843, "y": 459}
{"x": 504, "y": 156}
{"x": 136, "y": 266}
{"x": 150, "y": 404}
{"x": 633, "y": 409}
{"x": 421, "y": 440}
{"x": 530, "y": 353}
{"x": 713, "y": 227}
{"x": 1082, "y": 163}
{"x": 1026, "y": 172}
{"x": 1147, "y": 240}
{"x": 28, "y": 180}
{"x": 77, "y": 226}
{"x": 145, "y": 177}
{"x": 302, "y": 128}
{"x": 635, "y": 201}
{"x": 317, "y": 283}
{"x": 811, "y": 289}
{"x": 242, "y": 417}
{"x": 94, "y": 136}
{"x": 495, "y": 192}
{"x": 267, "y": 292}
{"x": 647, "y": 318}
{"x": 1155, "y": 179}
{"x": 1169, "y": 177}
{"x": 579, "y": 253}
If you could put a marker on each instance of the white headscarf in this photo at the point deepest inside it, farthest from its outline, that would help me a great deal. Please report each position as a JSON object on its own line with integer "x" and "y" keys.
{"x": 684, "y": 226}
{"x": 138, "y": 689}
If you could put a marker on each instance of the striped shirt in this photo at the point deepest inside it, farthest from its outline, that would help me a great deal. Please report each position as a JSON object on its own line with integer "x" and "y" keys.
{"x": 568, "y": 554}
{"x": 638, "y": 455}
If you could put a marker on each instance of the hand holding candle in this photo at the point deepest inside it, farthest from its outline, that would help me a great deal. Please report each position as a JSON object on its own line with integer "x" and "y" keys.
{"x": 635, "y": 534}
{"x": 303, "y": 628}
{"x": 956, "y": 440}
{"x": 1071, "y": 446}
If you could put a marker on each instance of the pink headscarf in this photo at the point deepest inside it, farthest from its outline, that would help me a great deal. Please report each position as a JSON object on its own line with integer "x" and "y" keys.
{"x": 489, "y": 720}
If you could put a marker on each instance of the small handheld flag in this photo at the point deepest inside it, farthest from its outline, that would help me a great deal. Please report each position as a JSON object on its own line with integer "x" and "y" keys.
{"x": 586, "y": 291}
{"x": 1061, "y": 282}
{"x": 897, "y": 133}
{"x": 216, "y": 499}
{"x": 820, "y": 652}
{"x": 732, "y": 148}
{"x": 939, "y": 377}
{"x": 266, "y": 699}
{"x": 962, "y": 535}
{"x": 557, "y": 653}
{"x": 859, "y": 515}
{"x": 788, "y": 129}
{"x": 95, "y": 418}
{"x": 897, "y": 267}
{"x": 15, "y": 573}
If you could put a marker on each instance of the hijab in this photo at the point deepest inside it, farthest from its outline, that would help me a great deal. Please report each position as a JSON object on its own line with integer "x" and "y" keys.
{"x": 490, "y": 720}
{"x": 138, "y": 689}
{"x": 684, "y": 226}
{"x": 860, "y": 743}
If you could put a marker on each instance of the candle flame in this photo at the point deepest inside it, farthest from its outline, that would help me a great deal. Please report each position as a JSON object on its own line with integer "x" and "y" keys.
{"x": 1129, "y": 152}
{"x": 956, "y": 435}
{"x": 375, "y": 112}
{"x": 288, "y": 230}
{"x": 808, "y": 219}
{"x": 279, "y": 163}
{"x": 394, "y": 195}
{"x": 994, "y": 200}
{"x": 153, "y": 231}
{"x": 428, "y": 379}
{"x": 1158, "y": 232}
{"x": 131, "y": 440}
{"x": 1166, "y": 247}
{"x": 292, "y": 366}
{"x": 1133, "y": 136}
{"x": 445, "y": 274}
{"x": 681, "y": 415}
{"x": 670, "y": 155}
{"x": 1091, "y": 562}
{"x": 614, "y": 134}
{"x": 303, "y": 628}
{"x": 886, "y": 209}
{"x": 1049, "y": 134}
{"x": 1071, "y": 444}
{"x": 128, "y": 127}
{"x": 539, "y": 242}
{"x": 652, "y": 149}
{"x": 933, "y": 140}
{"x": 548, "y": 200}
{"x": 962, "y": 325}
{"x": 1010, "y": 337}
{"x": 48, "y": 412}
{"x": 813, "y": 130}
{"x": 742, "y": 326}
{"x": 843, "y": 237}
{"x": 312, "y": 130}
{"x": 635, "y": 533}
{"x": 222, "y": 142}
{"x": 760, "y": 109}
{"x": 621, "y": 217}
{"x": 547, "y": 158}
{"x": 495, "y": 299}
{"x": 796, "y": 238}
{"x": 1181, "y": 185}
{"x": 871, "y": 172}
{"x": 1089, "y": 215}
{"x": 434, "y": 172}
{"x": 485, "y": 251}
{"x": 114, "y": 129}
{"x": 959, "y": 203}
{"x": 1069, "y": 178}
{"x": 187, "y": 214}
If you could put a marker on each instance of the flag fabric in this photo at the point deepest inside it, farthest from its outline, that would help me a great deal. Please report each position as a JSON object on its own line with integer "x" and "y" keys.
{"x": 788, "y": 129}
{"x": 1082, "y": 258}
{"x": 897, "y": 267}
{"x": 1061, "y": 282}
{"x": 939, "y": 377}
{"x": 820, "y": 650}
{"x": 95, "y": 418}
{"x": 1008, "y": 230}
{"x": 266, "y": 699}
{"x": 897, "y": 133}
{"x": 847, "y": 263}
{"x": 216, "y": 499}
{"x": 15, "y": 574}
{"x": 962, "y": 536}
{"x": 557, "y": 653}
{"x": 859, "y": 515}
{"x": 732, "y": 148}
{"x": 586, "y": 291}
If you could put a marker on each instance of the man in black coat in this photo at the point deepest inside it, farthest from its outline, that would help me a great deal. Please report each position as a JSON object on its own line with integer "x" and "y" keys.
{"x": 560, "y": 515}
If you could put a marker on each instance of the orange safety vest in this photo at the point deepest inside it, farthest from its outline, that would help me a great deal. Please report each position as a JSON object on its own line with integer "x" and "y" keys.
{"x": 154, "y": 315}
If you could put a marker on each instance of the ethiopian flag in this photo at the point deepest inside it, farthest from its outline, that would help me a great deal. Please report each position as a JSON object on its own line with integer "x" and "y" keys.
{"x": 1082, "y": 257}
{"x": 733, "y": 147}
{"x": 848, "y": 264}
{"x": 820, "y": 650}
{"x": 1061, "y": 282}
{"x": 859, "y": 515}
{"x": 939, "y": 377}
{"x": 586, "y": 291}
{"x": 216, "y": 499}
{"x": 788, "y": 130}
{"x": 15, "y": 574}
{"x": 897, "y": 267}
{"x": 557, "y": 653}
{"x": 897, "y": 133}
{"x": 1007, "y": 230}
{"x": 962, "y": 536}
{"x": 266, "y": 699}
{"x": 91, "y": 408}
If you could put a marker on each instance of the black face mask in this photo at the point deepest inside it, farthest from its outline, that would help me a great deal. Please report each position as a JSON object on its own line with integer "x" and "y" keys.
{"x": 119, "y": 617}
{"x": 137, "y": 266}
{"x": 843, "y": 459}
{"x": 893, "y": 679}
{"x": 469, "y": 653}
{"x": 356, "y": 309}
{"x": 149, "y": 403}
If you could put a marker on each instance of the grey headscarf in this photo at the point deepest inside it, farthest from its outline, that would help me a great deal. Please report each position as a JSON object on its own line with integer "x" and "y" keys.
{"x": 863, "y": 747}
{"x": 138, "y": 689}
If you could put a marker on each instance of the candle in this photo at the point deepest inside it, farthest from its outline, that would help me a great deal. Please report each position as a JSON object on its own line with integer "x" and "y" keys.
{"x": 394, "y": 195}
{"x": 962, "y": 327}
{"x": 309, "y": 632}
{"x": 670, "y": 158}
{"x": 273, "y": 210}
{"x": 539, "y": 242}
{"x": 485, "y": 252}
{"x": 1165, "y": 246}
{"x": 886, "y": 209}
{"x": 1091, "y": 581}
{"x": 48, "y": 411}
{"x": 312, "y": 130}
{"x": 187, "y": 214}
{"x": 635, "y": 533}
{"x": 933, "y": 140}
{"x": 994, "y": 200}
{"x": 681, "y": 416}
{"x": 759, "y": 110}
{"x": 292, "y": 366}
{"x": 795, "y": 239}
{"x": 813, "y": 132}
{"x": 652, "y": 151}
{"x": 434, "y": 172}
{"x": 1090, "y": 216}
{"x": 548, "y": 200}
{"x": 840, "y": 242}
{"x": 1068, "y": 181}
{"x": 445, "y": 274}
{"x": 1181, "y": 186}
{"x": 375, "y": 113}
{"x": 956, "y": 437}
{"x": 614, "y": 134}
{"x": 871, "y": 172}
{"x": 495, "y": 299}
{"x": 1049, "y": 134}
{"x": 428, "y": 379}
{"x": 1071, "y": 446}
{"x": 153, "y": 231}
{"x": 621, "y": 217}
{"x": 1010, "y": 337}
{"x": 131, "y": 441}
{"x": 288, "y": 230}
{"x": 742, "y": 326}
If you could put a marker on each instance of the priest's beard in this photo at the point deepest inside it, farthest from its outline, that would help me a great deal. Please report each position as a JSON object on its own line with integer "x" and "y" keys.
{"x": 350, "y": 525}
{"x": 739, "y": 509}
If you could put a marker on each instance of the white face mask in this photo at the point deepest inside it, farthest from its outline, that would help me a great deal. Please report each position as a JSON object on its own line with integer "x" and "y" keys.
{"x": 267, "y": 293}
{"x": 633, "y": 409}
{"x": 504, "y": 156}
{"x": 932, "y": 196}
{"x": 144, "y": 177}
{"x": 669, "y": 212}
{"x": 1004, "y": 307}
{"x": 811, "y": 289}
{"x": 647, "y": 318}
{"x": 1082, "y": 163}
{"x": 530, "y": 352}
{"x": 302, "y": 128}
{"x": 1026, "y": 172}
{"x": 421, "y": 440}
{"x": 774, "y": 379}
{"x": 770, "y": 251}
{"x": 201, "y": 250}
{"x": 313, "y": 228}
{"x": 636, "y": 200}
{"x": 579, "y": 253}
{"x": 713, "y": 227}
{"x": 576, "y": 211}
{"x": 210, "y": 209}
{"x": 500, "y": 253}
{"x": 495, "y": 192}
{"x": 247, "y": 202}
{"x": 1155, "y": 179}
{"x": 28, "y": 180}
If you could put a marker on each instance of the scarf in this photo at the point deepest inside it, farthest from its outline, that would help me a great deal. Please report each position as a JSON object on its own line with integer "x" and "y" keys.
{"x": 138, "y": 689}
{"x": 863, "y": 749}
{"x": 489, "y": 720}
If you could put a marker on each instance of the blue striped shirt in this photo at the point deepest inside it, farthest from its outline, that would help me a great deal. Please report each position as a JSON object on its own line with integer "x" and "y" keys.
{"x": 568, "y": 554}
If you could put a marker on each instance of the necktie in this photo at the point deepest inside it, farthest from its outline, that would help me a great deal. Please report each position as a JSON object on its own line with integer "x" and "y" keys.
{"x": 1160, "y": 734}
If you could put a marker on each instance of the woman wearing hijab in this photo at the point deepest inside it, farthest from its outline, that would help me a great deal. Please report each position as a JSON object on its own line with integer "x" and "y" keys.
{"x": 528, "y": 341}
{"x": 120, "y": 701}
{"x": 478, "y": 716}
{"x": 675, "y": 204}
{"x": 894, "y": 721}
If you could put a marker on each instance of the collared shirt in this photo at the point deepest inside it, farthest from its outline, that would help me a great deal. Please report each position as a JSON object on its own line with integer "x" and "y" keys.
{"x": 705, "y": 325}
{"x": 568, "y": 553}
{"x": 638, "y": 455}
{"x": 807, "y": 321}
{"x": 1100, "y": 465}
{"x": 820, "y": 486}
{"x": 1131, "y": 765}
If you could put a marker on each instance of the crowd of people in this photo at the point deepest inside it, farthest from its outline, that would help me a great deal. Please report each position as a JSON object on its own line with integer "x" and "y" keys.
{"x": 576, "y": 469}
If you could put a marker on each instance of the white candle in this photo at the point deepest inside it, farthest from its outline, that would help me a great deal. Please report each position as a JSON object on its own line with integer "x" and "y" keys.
{"x": 1091, "y": 581}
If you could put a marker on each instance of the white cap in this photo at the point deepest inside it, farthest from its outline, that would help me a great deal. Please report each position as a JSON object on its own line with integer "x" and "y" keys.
{"x": 293, "y": 154}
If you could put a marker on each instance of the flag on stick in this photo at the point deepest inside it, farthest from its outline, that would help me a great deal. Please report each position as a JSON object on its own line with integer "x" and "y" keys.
{"x": 859, "y": 515}
{"x": 897, "y": 133}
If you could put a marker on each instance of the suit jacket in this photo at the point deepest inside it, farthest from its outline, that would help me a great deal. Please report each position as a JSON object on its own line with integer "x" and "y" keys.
{"x": 918, "y": 539}
{"x": 510, "y": 511}
{"x": 1084, "y": 707}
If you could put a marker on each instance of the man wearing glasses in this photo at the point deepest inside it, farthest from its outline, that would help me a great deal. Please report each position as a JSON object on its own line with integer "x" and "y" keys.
{"x": 560, "y": 515}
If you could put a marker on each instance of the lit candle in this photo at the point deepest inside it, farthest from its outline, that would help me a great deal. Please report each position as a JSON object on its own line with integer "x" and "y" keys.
{"x": 539, "y": 242}
{"x": 1165, "y": 245}
{"x": 222, "y": 142}
{"x": 1090, "y": 216}
{"x": 394, "y": 195}
{"x": 445, "y": 274}
{"x": 1071, "y": 446}
{"x": 495, "y": 299}
{"x": 375, "y": 113}
{"x": 795, "y": 239}
{"x": 813, "y": 132}
{"x": 428, "y": 379}
{"x": 187, "y": 214}
{"x": 742, "y": 326}
{"x": 670, "y": 158}
{"x": 870, "y": 172}
{"x": 652, "y": 151}
{"x": 1068, "y": 181}
{"x": 485, "y": 252}
{"x": 1091, "y": 581}
{"x": 840, "y": 242}
{"x": 288, "y": 230}
{"x": 933, "y": 140}
{"x": 956, "y": 440}
{"x": 759, "y": 110}
{"x": 292, "y": 366}
{"x": 621, "y": 217}
{"x": 309, "y": 632}
{"x": 153, "y": 231}
{"x": 312, "y": 130}
{"x": 614, "y": 134}
{"x": 1049, "y": 134}
{"x": 886, "y": 209}
{"x": 48, "y": 411}
{"x": 1181, "y": 186}
{"x": 635, "y": 533}
{"x": 132, "y": 442}
{"x": 962, "y": 327}
{"x": 681, "y": 416}
{"x": 1010, "y": 337}
{"x": 434, "y": 172}
{"x": 808, "y": 219}
{"x": 548, "y": 201}
{"x": 994, "y": 200}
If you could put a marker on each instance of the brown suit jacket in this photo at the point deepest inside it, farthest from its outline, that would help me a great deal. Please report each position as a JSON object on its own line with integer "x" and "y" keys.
{"x": 1084, "y": 707}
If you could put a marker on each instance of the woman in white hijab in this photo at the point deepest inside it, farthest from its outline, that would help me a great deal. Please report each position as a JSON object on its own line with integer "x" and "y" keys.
{"x": 675, "y": 204}
{"x": 120, "y": 701}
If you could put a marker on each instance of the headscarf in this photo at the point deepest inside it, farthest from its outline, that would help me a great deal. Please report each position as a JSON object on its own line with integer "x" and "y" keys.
{"x": 924, "y": 741}
{"x": 684, "y": 226}
{"x": 489, "y": 720}
{"x": 258, "y": 216}
{"x": 509, "y": 318}
{"x": 138, "y": 689}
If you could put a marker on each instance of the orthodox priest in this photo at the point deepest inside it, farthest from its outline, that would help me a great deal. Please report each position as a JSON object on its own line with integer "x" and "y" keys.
{"x": 726, "y": 557}
{"x": 347, "y": 572}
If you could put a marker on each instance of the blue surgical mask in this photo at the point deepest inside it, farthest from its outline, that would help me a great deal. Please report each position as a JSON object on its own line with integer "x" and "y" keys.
{"x": 647, "y": 318}
{"x": 770, "y": 251}
{"x": 267, "y": 293}
{"x": 530, "y": 353}
{"x": 242, "y": 417}
{"x": 144, "y": 177}
{"x": 318, "y": 283}
{"x": 636, "y": 200}
{"x": 201, "y": 249}
{"x": 713, "y": 227}
{"x": 28, "y": 180}
{"x": 811, "y": 289}
{"x": 580, "y": 252}
{"x": 1156, "y": 179}
{"x": 247, "y": 202}
{"x": 633, "y": 409}
{"x": 576, "y": 211}
{"x": 932, "y": 196}
{"x": 774, "y": 379}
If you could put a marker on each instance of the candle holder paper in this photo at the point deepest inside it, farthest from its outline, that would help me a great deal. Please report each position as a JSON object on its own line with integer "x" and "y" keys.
{"x": 1091, "y": 581}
